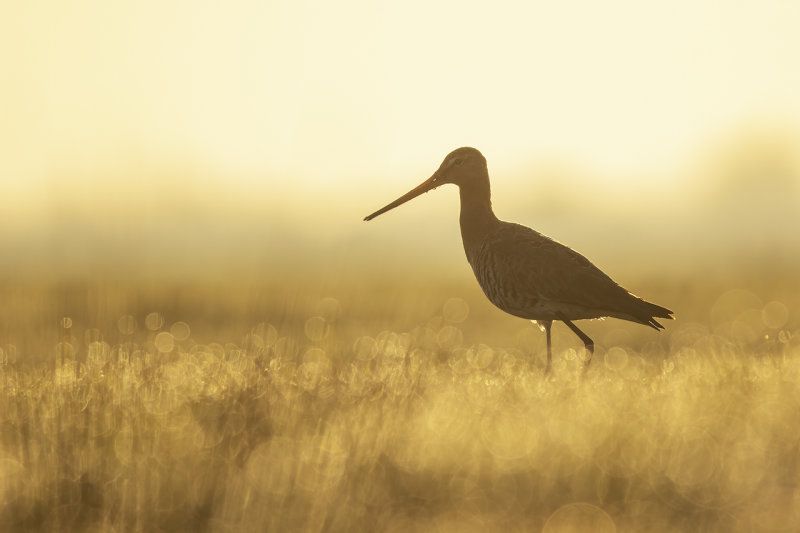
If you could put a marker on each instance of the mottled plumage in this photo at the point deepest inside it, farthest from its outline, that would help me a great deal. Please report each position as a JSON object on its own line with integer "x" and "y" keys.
{"x": 523, "y": 272}
{"x": 532, "y": 276}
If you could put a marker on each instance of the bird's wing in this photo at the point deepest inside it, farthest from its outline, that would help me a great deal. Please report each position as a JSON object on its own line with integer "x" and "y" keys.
{"x": 545, "y": 271}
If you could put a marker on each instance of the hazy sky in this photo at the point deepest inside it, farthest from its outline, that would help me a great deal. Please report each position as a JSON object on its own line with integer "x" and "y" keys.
{"x": 341, "y": 94}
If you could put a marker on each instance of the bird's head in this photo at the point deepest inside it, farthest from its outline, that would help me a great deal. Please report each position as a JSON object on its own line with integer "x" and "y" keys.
{"x": 461, "y": 166}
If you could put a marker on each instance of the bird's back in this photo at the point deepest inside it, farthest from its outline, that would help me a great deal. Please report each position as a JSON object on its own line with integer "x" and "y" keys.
{"x": 532, "y": 276}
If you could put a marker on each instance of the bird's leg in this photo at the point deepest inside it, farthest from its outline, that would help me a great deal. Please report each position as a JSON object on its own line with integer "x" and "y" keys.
{"x": 547, "y": 324}
{"x": 587, "y": 342}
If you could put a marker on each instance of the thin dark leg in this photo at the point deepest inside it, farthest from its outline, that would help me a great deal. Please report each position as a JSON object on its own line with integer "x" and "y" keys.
{"x": 587, "y": 342}
{"x": 547, "y": 325}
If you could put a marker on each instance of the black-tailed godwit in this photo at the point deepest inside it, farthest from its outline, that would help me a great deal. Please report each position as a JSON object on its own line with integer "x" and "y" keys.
{"x": 523, "y": 272}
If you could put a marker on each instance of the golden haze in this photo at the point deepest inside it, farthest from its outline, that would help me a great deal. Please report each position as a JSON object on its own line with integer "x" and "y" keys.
{"x": 198, "y": 332}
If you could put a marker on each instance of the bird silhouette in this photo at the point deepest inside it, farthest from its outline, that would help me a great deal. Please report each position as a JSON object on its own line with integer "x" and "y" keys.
{"x": 523, "y": 272}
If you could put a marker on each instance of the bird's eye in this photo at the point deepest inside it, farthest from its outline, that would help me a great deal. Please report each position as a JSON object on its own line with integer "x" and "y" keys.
{"x": 457, "y": 162}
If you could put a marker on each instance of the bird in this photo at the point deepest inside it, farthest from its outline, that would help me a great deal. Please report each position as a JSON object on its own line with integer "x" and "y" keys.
{"x": 523, "y": 272}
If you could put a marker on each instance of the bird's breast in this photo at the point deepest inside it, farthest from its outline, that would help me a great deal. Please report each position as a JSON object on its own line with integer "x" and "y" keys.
{"x": 506, "y": 286}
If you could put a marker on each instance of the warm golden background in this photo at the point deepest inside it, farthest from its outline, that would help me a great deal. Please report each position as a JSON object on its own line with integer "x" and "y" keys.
{"x": 198, "y": 331}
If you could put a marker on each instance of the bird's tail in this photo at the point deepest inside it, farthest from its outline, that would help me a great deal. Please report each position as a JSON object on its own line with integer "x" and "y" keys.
{"x": 653, "y": 311}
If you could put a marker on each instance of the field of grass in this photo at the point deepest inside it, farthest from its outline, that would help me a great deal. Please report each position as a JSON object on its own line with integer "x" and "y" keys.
{"x": 358, "y": 407}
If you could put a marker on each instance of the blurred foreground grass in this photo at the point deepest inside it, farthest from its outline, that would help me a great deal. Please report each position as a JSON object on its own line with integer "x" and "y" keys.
{"x": 393, "y": 408}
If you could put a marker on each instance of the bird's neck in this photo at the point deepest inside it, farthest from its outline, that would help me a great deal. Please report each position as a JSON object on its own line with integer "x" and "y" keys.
{"x": 477, "y": 217}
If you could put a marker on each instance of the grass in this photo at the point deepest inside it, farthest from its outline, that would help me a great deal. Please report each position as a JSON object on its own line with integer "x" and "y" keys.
{"x": 313, "y": 414}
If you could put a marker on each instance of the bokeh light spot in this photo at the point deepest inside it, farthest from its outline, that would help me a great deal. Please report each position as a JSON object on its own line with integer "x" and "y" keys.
{"x": 126, "y": 324}
{"x": 65, "y": 350}
{"x": 616, "y": 358}
{"x": 508, "y": 435}
{"x": 92, "y": 335}
{"x": 365, "y": 348}
{"x": 455, "y": 310}
{"x": 267, "y": 332}
{"x": 154, "y": 321}
{"x": 315, "y": 356}
{"x": 164, "y": 342}
{"x": 316, "y": 328}
{"x": 449, "y": 337}
{"x": 480, "y": 356}
{"x": 180, "y": 331}
{"x": 579, "y": 518}
{"x": 285, "y": 347}
{"x": 731, "y": 304}
{"x": 774, "y": 315}
{"x": 329, "y": 308}
{"x": 691, "y": 459}
{"x": 253, "y": 343}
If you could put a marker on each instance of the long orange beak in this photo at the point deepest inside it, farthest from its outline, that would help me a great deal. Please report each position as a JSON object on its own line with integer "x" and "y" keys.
{"x": 427, "y": 185}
